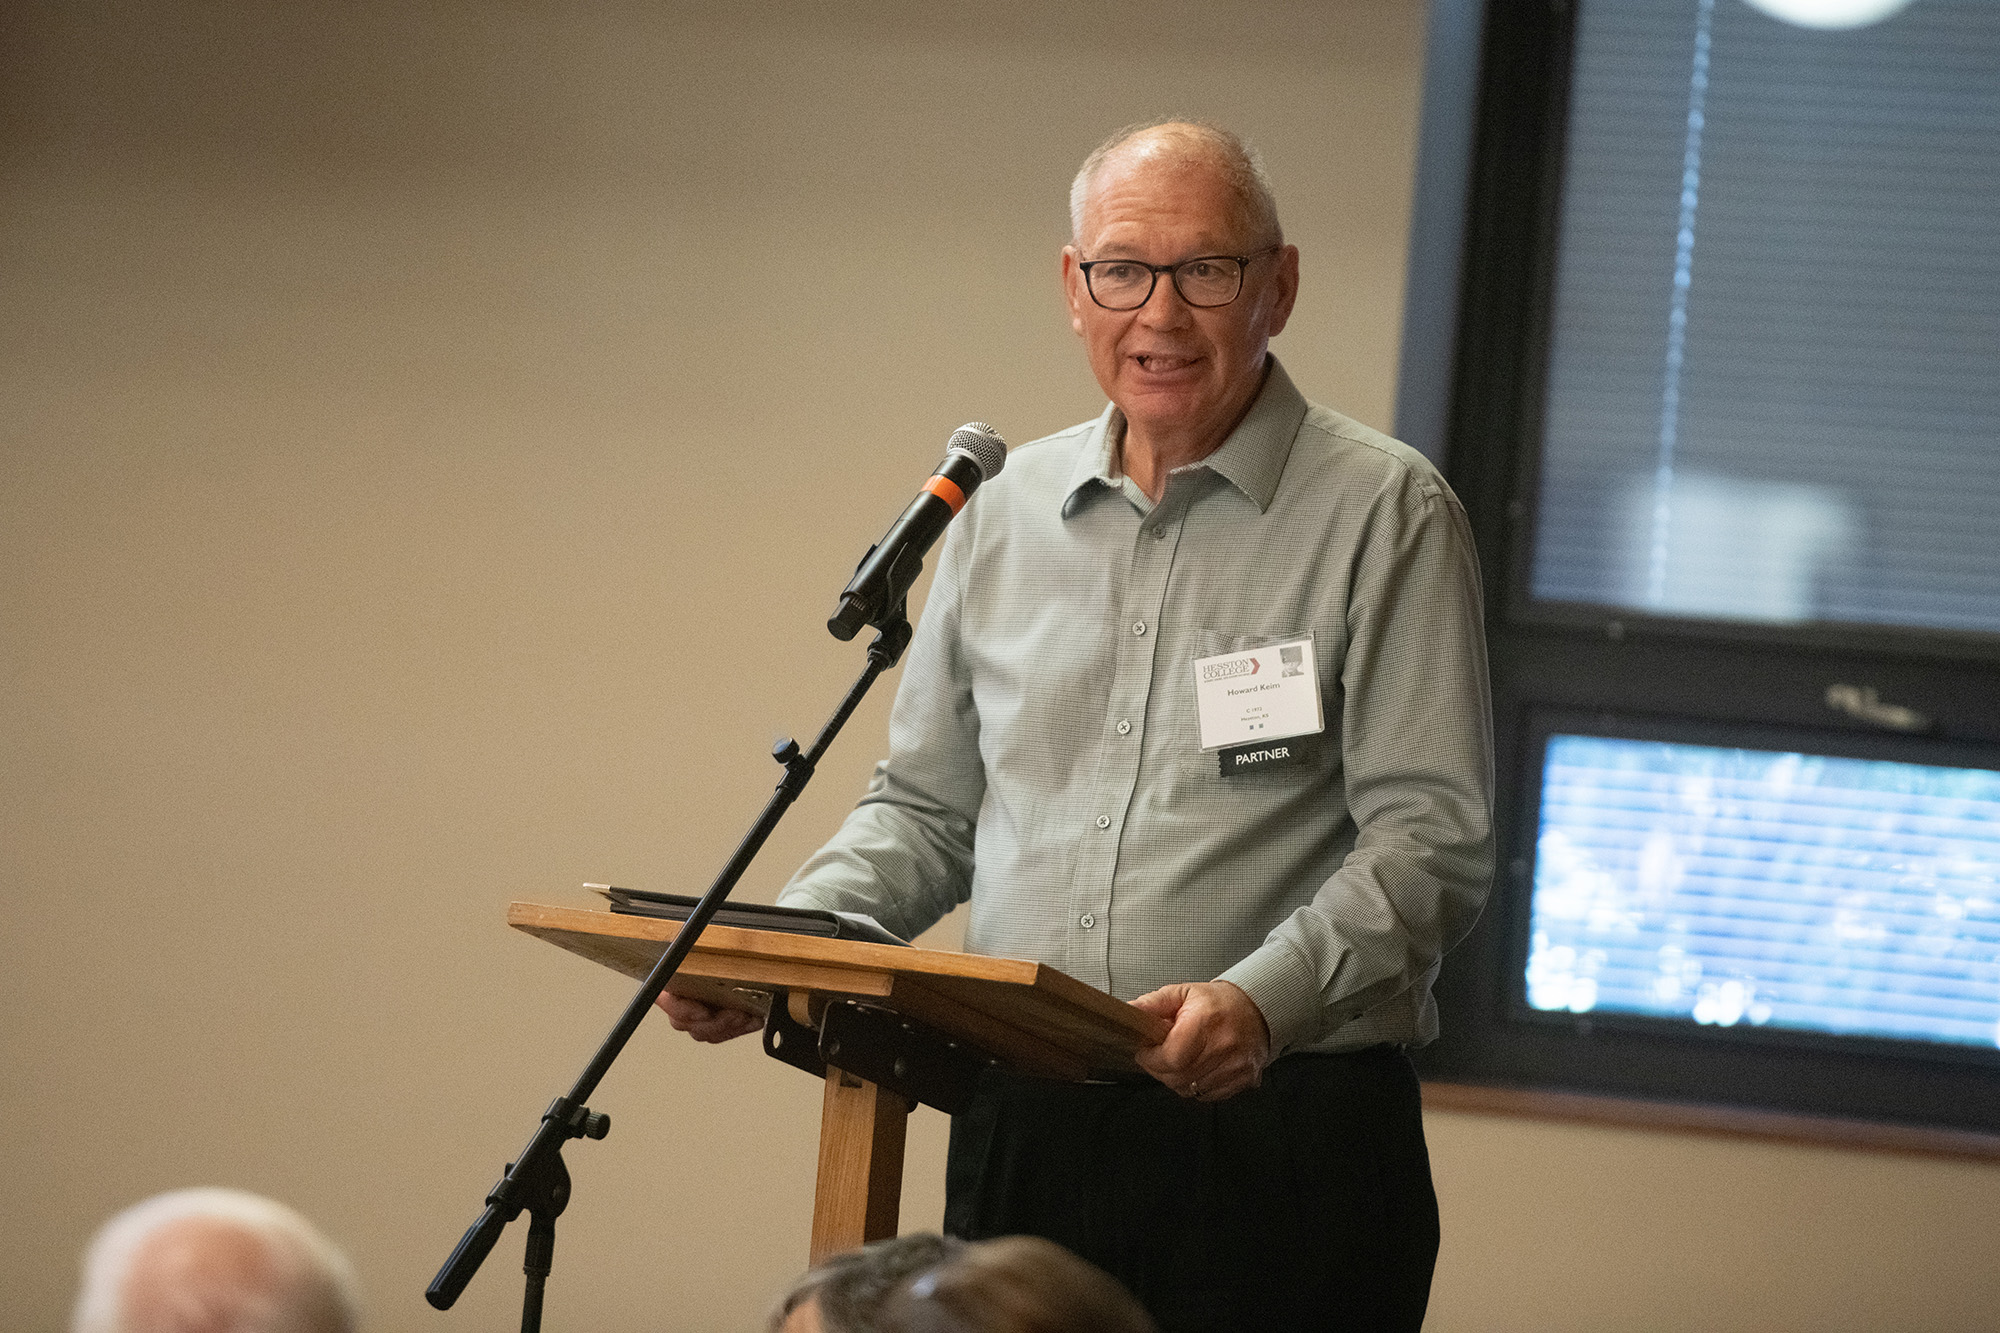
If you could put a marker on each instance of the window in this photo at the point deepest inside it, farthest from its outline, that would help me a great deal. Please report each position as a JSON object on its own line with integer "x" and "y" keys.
{"x": 1774, "y": 375}
{"x": 1720, "y": 387}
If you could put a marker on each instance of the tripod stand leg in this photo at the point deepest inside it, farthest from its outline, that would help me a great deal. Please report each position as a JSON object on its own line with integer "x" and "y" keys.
{"x": 861, "y": 1132}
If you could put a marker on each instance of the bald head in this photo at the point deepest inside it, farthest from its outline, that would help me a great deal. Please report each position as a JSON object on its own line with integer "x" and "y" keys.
{"x": 1181, "y": 148}
{"x": 213, "y": 1261}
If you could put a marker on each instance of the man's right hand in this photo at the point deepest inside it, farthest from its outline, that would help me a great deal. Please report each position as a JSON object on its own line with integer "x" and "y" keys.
{"x": 708, "y": 1022}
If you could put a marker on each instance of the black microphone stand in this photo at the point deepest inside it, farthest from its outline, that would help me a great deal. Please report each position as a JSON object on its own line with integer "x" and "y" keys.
{"x": 538, "y": 1181}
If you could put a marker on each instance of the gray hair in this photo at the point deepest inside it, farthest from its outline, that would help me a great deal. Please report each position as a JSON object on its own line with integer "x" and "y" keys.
{"x": 306, "y": 1286}
{"x": 1015, "y": 1284}
{"x": 1241, "y": 165}
{"x": 850, "y": 1287}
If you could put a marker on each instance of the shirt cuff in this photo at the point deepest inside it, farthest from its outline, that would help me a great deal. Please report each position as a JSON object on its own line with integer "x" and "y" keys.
{"x": 1285, "y": 991}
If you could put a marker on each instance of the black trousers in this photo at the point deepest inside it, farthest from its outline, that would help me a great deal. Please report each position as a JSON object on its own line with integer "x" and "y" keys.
{"x": 1303, "y": 1204}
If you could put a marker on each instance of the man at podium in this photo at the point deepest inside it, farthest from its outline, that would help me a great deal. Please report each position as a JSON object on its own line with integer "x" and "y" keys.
{"x": 1197, "y": 713}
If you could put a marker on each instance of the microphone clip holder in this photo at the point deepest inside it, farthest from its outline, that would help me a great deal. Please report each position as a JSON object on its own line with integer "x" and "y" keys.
{"x": 890, "y": 592}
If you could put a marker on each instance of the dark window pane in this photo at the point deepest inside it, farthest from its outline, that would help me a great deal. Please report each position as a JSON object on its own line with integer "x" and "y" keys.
{"x": 1775, "y": 373}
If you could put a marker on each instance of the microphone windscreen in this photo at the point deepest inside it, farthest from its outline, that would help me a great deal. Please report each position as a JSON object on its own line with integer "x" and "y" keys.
{"x": 984, "y": 444}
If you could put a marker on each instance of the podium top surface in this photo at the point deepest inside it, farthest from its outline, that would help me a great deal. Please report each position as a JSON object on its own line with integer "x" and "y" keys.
{"x": 1039, "y": 1020}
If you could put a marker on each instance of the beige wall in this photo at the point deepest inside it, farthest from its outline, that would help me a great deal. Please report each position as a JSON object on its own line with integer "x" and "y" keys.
{"x": 432, "y": 438}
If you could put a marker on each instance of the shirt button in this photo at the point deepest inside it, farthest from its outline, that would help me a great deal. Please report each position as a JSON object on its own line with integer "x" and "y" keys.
{"x": 1160, "y": 534}
{"x": 1086, "y": 921}
{"x": 1138, "y": 627}
{"x": 1104, "y": 821}
{"x": 1124, "y": 727}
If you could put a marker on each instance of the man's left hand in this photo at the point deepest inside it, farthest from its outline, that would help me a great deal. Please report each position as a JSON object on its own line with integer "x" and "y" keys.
{"x": 1218, "y": 1045}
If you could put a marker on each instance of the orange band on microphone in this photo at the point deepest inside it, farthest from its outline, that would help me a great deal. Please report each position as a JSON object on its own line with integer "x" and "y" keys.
{"x": 945, "y": 489}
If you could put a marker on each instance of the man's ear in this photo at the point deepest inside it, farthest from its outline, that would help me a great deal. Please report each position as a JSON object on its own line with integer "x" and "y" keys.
{"x": 1283, "y": 293}
{"x": 1284, "y": 288}
{"x": 1073, "y": 289}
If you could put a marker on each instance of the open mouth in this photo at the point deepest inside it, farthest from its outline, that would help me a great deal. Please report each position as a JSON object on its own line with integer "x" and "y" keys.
{"x": 1154, "y": 363}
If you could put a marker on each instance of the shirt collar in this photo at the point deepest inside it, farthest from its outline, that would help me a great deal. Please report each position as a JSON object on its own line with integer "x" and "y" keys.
{"x": 1251, "y": 459}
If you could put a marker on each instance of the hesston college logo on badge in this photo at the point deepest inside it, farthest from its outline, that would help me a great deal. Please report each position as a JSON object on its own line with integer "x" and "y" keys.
{"x": 1224, "y": 670}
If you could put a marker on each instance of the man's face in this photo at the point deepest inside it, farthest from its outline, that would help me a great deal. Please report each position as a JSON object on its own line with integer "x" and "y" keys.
{"x": 1175, "y": 370}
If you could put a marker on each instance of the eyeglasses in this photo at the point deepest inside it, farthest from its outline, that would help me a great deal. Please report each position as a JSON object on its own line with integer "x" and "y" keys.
{"x": 1205, "y": 281}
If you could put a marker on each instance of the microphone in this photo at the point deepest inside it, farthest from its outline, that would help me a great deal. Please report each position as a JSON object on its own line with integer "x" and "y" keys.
{"x": 875, "y": 593}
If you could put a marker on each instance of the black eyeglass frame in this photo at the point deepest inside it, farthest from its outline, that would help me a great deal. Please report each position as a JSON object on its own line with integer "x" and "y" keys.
{"x": 1154, "y": 271}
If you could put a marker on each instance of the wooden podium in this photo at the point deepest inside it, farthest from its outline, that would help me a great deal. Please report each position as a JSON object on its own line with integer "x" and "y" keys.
{"x": 886, "y": 1026}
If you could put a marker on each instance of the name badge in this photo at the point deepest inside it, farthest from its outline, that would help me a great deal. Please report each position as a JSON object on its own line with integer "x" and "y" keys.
{"x": 1245, "y": 700}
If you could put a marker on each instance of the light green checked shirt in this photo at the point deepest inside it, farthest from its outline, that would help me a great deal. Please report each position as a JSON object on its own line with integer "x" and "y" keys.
{"x": 1044, "y": 758}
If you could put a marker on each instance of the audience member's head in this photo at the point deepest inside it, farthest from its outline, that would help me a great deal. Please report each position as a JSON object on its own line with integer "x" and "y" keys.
{"x": 843, "y": 1294}
{"x": 1017, "y": 1284}
{"x": 214, "y": 1261}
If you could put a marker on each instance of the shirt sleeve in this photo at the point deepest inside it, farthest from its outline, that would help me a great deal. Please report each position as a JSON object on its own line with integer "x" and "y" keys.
{"x": 904, "y": 854}
{"x": 1416, "y": 750}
